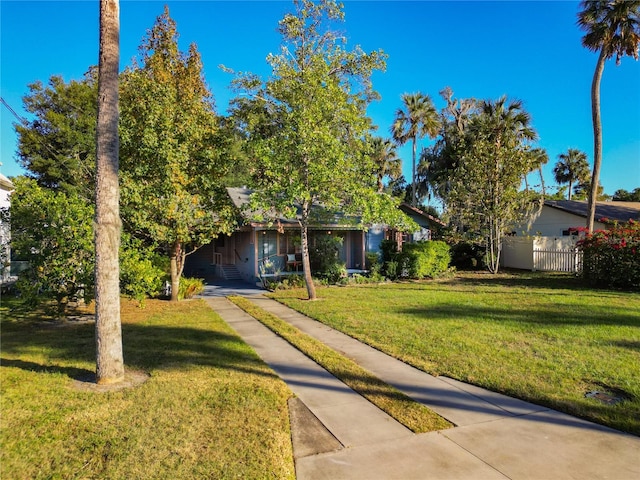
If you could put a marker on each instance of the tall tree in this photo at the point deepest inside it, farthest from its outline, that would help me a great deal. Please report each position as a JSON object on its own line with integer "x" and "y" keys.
{"x": 572, "y": 168}
{"x": 307, "y": 124}
{"x": 612, "y": 28}
{"x": 484, "y": 160}
{"x": 109, "y": 357}
{"x": 173, "y": 159}
{"x": 385, "y": 161}
{"x": 416, "y": 118}
{"x": 58, "y": 147}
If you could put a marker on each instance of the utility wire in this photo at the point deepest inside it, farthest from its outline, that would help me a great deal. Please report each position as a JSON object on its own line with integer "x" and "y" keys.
{"x": 22, "y": 120}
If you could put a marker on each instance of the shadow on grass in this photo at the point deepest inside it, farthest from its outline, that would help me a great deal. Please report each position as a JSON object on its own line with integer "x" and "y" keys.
{"x": 146, "y": 347}
{"x": 543, "y": 316}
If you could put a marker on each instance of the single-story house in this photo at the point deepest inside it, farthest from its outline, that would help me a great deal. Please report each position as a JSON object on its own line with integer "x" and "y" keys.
{"x": 549, "y": 242}
{"x": 559, "y": 218}
{"x": 257, "y": 249}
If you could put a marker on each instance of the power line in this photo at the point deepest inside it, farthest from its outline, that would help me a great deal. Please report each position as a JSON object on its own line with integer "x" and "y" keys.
{"x": 22, "y": 120}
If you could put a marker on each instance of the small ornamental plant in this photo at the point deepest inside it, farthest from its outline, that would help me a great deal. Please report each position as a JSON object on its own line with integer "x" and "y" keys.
{"x": 612, "y": 257}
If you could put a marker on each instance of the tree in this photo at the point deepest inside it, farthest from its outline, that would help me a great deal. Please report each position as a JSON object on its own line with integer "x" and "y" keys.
{"x": 53, "y": 231}
{"x": 622, "y": 195}
{"x": 385, "y": 160}
{"x": 307, "y": 125}
{"x": 173, "y": 155}
{"x": 416, "y": 118}
{"x": 57, "y": 147}
{"x": 484, "y": 160}
{"x": 109, "y": 358}
{"x": 572, "y": 168}
{"x": 612, "y": 28}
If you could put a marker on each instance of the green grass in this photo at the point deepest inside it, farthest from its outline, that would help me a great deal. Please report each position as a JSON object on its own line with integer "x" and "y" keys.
{"x": 411, "y": 414}
{"x": 210, "y": 409}
{"x": 539, "y": 337}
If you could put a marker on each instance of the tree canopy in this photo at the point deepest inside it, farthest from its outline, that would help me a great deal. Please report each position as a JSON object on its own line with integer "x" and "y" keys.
{"x": 478, "y": 165}
{"x": 172, "y": 150}
{"x": 306, "y": 125}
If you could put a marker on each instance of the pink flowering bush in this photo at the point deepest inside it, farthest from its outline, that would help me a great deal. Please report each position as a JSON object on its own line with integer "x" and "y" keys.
{"x": 612, "y": 257}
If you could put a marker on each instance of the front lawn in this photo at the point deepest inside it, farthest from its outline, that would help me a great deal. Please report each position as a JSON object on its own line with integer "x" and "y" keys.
{"x": 210, "y": 409}
{"x": 540, "y": 337}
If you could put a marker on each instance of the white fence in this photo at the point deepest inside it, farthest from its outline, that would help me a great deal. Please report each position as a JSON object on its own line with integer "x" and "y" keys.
{"x": 549, "y": 254}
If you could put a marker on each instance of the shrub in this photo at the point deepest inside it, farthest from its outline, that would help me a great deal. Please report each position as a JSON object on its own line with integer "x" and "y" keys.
{"x": 611, "y": 258}
{"x": 424, "y": 259}
{"x": 467, "y": 256}
{"x": 325, "y": 259}
{"x": 190, "y": 287}
{"x": 143, "y": 272}
{"x": 53, "y": 231}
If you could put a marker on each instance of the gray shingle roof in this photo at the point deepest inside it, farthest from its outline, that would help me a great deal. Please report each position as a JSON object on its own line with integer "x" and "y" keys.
{"x": 620, "y": 211}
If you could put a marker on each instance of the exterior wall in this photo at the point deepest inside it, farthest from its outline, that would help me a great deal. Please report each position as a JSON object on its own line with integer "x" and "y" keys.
{"x": 556, "y": 254}
{"x": 5, "y": 231}
{"x": 517, "y": 252}
{"x": 551, "y": 222}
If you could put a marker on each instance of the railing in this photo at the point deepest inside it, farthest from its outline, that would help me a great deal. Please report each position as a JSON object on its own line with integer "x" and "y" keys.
{"x": 217, "y": 258}
{"x": 557, "y": 260}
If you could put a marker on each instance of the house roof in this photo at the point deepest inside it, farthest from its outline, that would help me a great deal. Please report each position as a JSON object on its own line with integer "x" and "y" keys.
{"x": 617, "y": 211}
{"x": 413, "y": 211}
{"x": 336, "y": 220}
{"x": 5, "y": 183}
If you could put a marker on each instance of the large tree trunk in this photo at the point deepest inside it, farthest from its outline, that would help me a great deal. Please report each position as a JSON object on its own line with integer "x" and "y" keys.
{"x": 304, "y": 240}
{"x": 109, "y": 358}
{"x": 597, "y": 139}
{"x": 413, "y": 176}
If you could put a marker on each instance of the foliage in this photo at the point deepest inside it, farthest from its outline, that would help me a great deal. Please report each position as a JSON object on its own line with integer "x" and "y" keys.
{"x": 611, "y": 258}
{"x": 143, "y": 271}
{"x": 226, "y": 415}
{"x": 417, "y": 117}
{"x": 385, "y": 160}
{"x": 325, "y": 258}
{"x": 543, "y": 338}
{"x": 190, "y": 287}
{"x": 306, "y": 125}
{"x": 467, "y": 256}
{"x": 612, "y": 28}
{"x": 58, "y": 146}
{"x": 426, "y": 259}
{"x": 572, "y": 168}
{"x": 285, "y": 282}
{"x": 478, "y": 165}
{"x": 173, "y": 159}
{"x": 52, "y": 230}
{"x": 623, "y": 195}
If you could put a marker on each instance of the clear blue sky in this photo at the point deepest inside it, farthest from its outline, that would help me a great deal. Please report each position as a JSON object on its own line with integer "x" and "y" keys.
{"x": 526, "y": 50}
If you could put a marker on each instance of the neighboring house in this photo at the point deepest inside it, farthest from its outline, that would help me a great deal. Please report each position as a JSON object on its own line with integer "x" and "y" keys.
{"x": 5, "y": 233}
{"x": 257, "y": 249}
{"x": 559, "y": 218}
{"x": 549, "y": 242}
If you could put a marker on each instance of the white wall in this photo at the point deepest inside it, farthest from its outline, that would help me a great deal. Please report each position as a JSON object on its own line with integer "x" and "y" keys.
{"x": 551, "y": 222}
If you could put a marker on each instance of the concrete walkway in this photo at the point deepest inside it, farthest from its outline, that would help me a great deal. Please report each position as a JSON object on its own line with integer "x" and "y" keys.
{"x": 337, "y": 434}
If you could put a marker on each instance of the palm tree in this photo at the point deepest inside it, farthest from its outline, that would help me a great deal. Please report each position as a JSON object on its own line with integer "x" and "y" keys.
{"x": 109, "y": 358}
{"x": 418, "y": 117}
{"x": 572, "y": 167}
{"x": 386, "y": 161}
{"x": 612, "y": 28}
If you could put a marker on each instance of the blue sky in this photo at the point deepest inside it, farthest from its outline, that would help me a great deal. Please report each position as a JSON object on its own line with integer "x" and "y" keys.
{"x": 525, "y": 50}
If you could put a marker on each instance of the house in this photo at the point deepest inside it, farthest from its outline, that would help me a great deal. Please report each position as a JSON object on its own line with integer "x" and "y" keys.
{"x": 257, "y": 249}
{"x": 548, "y": 243}
{"x": 5, "y": 233}
{"x": 559, "y": 218}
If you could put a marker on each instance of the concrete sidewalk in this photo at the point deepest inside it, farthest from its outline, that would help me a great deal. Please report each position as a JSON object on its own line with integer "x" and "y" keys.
{"x": 337, "y": 434}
